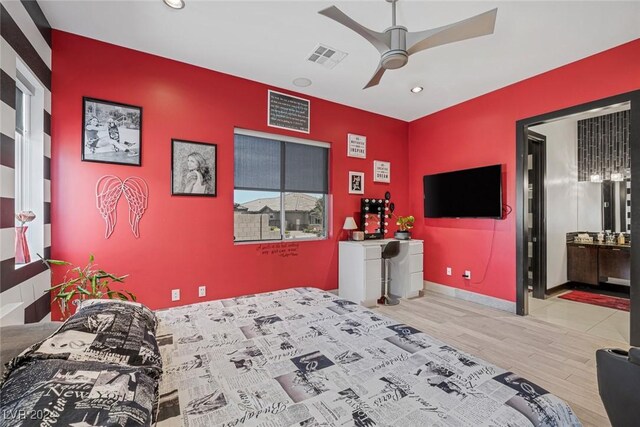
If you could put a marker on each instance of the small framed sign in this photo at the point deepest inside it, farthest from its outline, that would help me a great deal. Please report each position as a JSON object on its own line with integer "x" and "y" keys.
{"x": 288, "y": 112}
{"x": 381, "y": 171}
{"x": 356, "y": 182}
{"x": 356, "y": 146}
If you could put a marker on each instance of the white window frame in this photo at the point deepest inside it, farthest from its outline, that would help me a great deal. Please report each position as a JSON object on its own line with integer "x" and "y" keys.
{"x": 29, "y": 160}
{"x": 283, "y": 223}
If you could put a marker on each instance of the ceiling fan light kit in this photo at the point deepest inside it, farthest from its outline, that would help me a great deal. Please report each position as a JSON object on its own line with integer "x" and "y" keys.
{"x": 174, "y": 4}
{"x": 396, "y": 43}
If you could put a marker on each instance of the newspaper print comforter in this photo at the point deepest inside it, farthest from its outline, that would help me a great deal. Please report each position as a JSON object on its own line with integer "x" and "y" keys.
{"x": 305, "y": 357}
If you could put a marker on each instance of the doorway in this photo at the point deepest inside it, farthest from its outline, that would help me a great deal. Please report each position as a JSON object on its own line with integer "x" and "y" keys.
{"x": 528, "y": 230}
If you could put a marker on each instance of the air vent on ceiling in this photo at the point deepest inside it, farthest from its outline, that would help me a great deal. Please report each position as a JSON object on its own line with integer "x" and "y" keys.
{"x": 326, "y": 56}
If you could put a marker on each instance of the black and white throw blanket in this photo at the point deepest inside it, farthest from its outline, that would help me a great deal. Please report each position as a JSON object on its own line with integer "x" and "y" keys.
{"x": 101, "y": 368}
{"x": 305, "y": 357}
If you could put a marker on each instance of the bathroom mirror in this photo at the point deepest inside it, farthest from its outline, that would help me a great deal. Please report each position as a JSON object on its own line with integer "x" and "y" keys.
{"x": 373, "y": 217}
{"x": 604, "y": 206}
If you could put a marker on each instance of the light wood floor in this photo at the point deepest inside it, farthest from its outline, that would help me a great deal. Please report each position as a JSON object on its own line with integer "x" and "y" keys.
{"x": 559, "y": 359}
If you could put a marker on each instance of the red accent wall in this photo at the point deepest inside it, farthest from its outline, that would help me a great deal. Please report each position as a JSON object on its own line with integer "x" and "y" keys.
{"x": 188, "y": 241}
{"x": 482, "y": 131}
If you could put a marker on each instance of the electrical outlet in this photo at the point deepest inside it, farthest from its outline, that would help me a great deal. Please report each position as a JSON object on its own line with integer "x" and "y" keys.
{"x": 448, "y": 271}
{"x": 202, "y": 291}
{"x": 175, "y": 295}
{"x": 467, "y": 274}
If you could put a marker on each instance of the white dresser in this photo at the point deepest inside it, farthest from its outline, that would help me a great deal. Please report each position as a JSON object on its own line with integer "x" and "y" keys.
{"x": 360, "y": 270}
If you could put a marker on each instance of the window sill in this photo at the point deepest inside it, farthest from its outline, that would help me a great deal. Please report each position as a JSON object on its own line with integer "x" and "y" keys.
{"x": 276, "y": 242}
{"x": 19, "y": 266}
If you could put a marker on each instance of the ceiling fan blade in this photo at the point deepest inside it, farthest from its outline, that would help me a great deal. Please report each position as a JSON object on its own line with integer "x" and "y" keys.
{"x": 376, "y": 77}
{"x": 479, "y": 25}
{"x": 379, "y": 40}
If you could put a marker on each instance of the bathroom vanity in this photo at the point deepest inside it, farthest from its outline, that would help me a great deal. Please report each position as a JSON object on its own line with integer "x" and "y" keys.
{"x": 593, "y": 263}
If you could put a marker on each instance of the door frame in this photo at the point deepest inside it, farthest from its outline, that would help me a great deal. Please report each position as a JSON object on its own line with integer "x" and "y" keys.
{"x": 539, "y": 289}
{"x": 633, "y": 98}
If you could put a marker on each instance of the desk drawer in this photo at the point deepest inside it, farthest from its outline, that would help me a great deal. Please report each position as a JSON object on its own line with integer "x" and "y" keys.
{"x": 415, "y": 248}
{"x": 372, "y": 252}
{"x": 415, "y": 263}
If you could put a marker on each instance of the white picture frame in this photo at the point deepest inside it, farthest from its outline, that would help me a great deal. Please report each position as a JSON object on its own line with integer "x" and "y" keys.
{"x": 381, "y": 171}
{"x": 356, "y": 182}
{"x": 356, "y": 146}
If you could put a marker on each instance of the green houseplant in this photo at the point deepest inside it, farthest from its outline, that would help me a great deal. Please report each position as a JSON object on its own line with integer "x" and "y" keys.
{"x": 88, "y": 282}
{"x": 404, "y": 223}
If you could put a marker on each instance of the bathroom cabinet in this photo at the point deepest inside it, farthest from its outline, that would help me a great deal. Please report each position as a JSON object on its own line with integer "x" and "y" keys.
{"x": 592, "y": 263}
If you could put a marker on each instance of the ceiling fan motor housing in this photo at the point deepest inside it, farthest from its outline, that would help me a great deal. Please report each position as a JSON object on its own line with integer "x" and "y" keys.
{"x": 397, "y": 56}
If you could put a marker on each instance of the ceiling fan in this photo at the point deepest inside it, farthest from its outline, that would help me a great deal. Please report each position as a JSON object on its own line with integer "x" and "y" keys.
{"x": 396, "y": 43}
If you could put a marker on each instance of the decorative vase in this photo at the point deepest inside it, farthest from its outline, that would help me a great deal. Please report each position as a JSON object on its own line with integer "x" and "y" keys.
{"x": 22, "y": 247}
{"x": 402, "y": 235}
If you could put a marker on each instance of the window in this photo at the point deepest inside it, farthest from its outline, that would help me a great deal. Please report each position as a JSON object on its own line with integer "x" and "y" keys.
{"x": 29, "y": 160}
{"x": 281, "y": 187}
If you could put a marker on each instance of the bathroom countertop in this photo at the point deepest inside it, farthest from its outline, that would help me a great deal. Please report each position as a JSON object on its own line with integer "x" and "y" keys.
{"x": 602, "y": 245}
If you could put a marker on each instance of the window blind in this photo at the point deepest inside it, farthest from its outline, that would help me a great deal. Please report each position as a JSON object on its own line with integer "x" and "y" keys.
{"x": 19, "y": 111}
{"x": 270, "y": 165}
{"x": 257, "y": 163}
{"x": 305, "y": 168}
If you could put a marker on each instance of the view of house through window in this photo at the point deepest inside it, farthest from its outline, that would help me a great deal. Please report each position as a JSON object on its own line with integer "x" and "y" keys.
{"x": 280, "y": 189}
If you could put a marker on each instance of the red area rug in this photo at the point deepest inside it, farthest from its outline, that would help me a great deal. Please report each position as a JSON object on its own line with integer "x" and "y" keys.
{"x": 597, "y": 299}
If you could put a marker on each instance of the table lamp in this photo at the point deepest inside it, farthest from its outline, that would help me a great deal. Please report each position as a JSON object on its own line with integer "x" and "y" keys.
{"x": 350, "y": 225}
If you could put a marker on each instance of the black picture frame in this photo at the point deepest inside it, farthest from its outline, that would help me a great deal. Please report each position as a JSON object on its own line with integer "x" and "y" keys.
{"x": 200, "y": 182}
{"x": 115, "y": 137}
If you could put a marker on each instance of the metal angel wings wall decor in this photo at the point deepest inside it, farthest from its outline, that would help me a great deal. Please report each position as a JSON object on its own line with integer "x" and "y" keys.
{"x": 109, "y": 188}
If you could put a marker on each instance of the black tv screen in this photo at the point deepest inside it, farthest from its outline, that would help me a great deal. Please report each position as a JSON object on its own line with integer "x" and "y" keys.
{"x": 469, "y": 193}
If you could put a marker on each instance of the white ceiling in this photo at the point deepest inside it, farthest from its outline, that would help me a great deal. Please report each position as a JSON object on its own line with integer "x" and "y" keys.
{"x": 269, "y": 41}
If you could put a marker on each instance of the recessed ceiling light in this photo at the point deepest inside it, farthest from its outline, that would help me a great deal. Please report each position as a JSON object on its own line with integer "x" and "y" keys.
{"x": 417, "y": 89}
{"x": 302, "y": 82}
{"x": 174, "y": 4}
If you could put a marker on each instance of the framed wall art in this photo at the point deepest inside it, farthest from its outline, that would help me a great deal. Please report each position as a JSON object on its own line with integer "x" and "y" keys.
{"x": 356, "y": 146}
{"x": 356, "y": 182}
{"x": 381, "y": 171}
{"x": 193, "y": 168}
{"x": 111, "y": 132}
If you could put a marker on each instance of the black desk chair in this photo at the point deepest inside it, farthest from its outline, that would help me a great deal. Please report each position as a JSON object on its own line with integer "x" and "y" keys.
{"x": 619, "y": 385}
{"x": 390, "y": 250}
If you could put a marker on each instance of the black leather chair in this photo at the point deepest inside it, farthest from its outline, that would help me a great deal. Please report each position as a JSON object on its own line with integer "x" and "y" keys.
{"x": 619, "y": 385}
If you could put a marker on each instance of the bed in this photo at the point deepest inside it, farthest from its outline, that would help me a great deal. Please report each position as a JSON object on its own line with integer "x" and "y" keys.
{"x": 306, "y": 357}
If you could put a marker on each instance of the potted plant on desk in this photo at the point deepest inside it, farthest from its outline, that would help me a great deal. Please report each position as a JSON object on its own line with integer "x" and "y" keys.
{"x": 404, "y": 223}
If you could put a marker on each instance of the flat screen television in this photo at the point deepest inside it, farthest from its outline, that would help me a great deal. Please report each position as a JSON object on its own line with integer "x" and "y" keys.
{"x": 469, "y": 193}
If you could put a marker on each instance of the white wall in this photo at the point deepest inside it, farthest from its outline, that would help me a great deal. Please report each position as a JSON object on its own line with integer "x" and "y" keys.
{"x": 561, "y": 202}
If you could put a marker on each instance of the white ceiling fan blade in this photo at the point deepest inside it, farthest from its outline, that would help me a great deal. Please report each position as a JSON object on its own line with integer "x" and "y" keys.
{"x": 376, "y": 77}
{"x": 479, "y": 25}
{"x": 379, "y": 40}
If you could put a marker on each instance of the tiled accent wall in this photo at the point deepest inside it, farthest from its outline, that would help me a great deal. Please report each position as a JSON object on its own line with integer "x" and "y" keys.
{"x": 603, "y": 145}
{"x": 25, "y": 34}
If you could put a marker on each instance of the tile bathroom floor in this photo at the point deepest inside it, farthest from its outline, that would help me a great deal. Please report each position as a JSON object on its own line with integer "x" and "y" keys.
{"x": 594, "y": 320}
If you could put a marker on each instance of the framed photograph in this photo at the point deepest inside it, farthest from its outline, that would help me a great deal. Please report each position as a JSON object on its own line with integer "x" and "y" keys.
{"x": 193, "y": 168}
{"x": 356, "y": 182}
{"x": 381, "y": 171}
{"x": 111, "y": 132}
{"x": 356, "y": 146}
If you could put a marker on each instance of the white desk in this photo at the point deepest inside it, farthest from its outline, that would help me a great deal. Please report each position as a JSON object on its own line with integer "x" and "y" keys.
{"x": 360, "y": 270}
